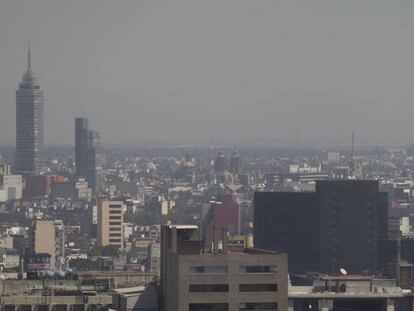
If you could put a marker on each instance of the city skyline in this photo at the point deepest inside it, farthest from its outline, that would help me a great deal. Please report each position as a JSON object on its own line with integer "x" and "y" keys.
{"x": 220, "y": 155}
{"x": 273, "y": 67}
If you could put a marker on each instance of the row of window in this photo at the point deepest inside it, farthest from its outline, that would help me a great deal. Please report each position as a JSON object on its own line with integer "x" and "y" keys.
{"x": 114, "y": 217}
{"x": 242, "y": 269}
{"x": 114, "y": 234}
{"x": 115, "y": 206}
{"x": 224, "y": 288}
{"x": 250, "y": 306}
{"x": 258, "y": 306}
{"x": 114, "y": 240}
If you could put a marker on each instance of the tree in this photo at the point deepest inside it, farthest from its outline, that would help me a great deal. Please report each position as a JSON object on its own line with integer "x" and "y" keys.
{"x": 110, "y": 251}
{"x": 95, "y": 251}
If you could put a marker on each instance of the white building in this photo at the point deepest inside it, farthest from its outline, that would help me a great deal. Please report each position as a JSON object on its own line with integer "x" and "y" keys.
{"x": 12, "y": 188}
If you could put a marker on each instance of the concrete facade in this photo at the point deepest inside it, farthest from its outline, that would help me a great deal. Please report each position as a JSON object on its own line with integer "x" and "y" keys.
{"x": 228, "y": 278}
{"x": 44, "y": 239}
{"x": 110, "y": 223}
{"x": 53, "y": 303}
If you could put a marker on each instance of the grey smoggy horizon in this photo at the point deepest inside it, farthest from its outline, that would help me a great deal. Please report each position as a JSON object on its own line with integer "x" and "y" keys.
{"x": 234, "y": 71}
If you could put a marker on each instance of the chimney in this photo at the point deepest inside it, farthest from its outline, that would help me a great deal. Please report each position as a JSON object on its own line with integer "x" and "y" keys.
{"x": 225, "y": 240}
{"x": 215, "y": 240}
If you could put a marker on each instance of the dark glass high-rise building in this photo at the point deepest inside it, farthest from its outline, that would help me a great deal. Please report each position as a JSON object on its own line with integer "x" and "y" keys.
{"x": 289, "y": 221}
{"x": 82, "y": 146}
{"x": 87, "y": 154}
{"x": 29, "y": 124}
{"x": 353, "y": 221}
{"x": 340, "y": 225}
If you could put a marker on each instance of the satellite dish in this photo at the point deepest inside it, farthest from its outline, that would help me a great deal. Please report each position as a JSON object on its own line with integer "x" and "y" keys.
{"x": 2, "y": 277}
{"x": 343, "y": 271}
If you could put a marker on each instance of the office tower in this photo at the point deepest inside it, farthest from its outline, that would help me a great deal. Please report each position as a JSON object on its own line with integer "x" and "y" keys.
{"x": 340, "y": 225}
{"x": 82, "y": 146}
{"x": 87, "y": 154}
{"x": 289, "y": 222}
{"x": 235, "y": 163}
{"x": 224, "y": 212}
{"x": 353, "y": 221}
{"x": 48, "y": 238}
{"x": 220, "y": 163}
{"x": 110, "y": 223}
{"x": 227, "y": 278}
{"x": 29, "y": 124}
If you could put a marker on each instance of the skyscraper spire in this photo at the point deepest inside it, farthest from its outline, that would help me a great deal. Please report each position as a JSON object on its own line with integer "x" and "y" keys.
{"x": 29, "y": 60}
{"x": 29, "y": 122}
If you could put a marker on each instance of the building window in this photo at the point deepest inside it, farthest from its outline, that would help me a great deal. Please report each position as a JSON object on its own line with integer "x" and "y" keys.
{"x": 208, "y": 307}
{"x": 114, "y": 217}
{"x": 209, "y": 288}
{"x": 114, "y": 223}
{"x": 115, "y": 212}
{"x": 114, "y": 229}
{"x": 258, "y": 287}
{"x": 250, "y": 306}
{"x": 258, "y": 269}
{"x": 115, "y": 206}
{"x": 114, "y": 240}
{"x": 114, "y": 234}
{"x": 210, "y": 269}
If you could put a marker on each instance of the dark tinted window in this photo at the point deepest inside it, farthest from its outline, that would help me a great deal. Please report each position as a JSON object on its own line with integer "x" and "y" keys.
{"x": 258, "y": 287}
{"x": 258, "y": 306}
{"x": 209, "y": 269}
{"x": 208, "y": 288}
{"x": 258, "y": 269}
{"x": 208, "y": 307}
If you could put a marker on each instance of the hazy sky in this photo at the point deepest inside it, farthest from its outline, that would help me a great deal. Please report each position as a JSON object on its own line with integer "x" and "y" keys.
{"x": 215, "y": 70}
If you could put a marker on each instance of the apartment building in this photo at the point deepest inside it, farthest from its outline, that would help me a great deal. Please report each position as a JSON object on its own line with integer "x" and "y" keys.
{"x": 110, "y": 223}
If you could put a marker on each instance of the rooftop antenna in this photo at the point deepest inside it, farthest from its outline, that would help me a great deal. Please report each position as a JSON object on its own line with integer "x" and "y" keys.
{"x": 29, "y": 58}
{"x": 352, "y": 164}
{"x": 296, "y": 137}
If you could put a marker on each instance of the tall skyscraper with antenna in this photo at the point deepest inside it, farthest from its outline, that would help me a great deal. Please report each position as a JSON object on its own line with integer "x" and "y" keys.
{"x": 29, "y": 123}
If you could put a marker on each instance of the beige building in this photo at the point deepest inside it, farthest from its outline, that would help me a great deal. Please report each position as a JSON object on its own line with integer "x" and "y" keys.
{"x": 48, "y": 237}
{"x": 110, "y": 223}
{"x": 225, "y": 278}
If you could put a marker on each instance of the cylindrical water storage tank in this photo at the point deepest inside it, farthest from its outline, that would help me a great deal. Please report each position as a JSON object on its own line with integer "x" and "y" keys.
{"x": 248, "y": 241}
